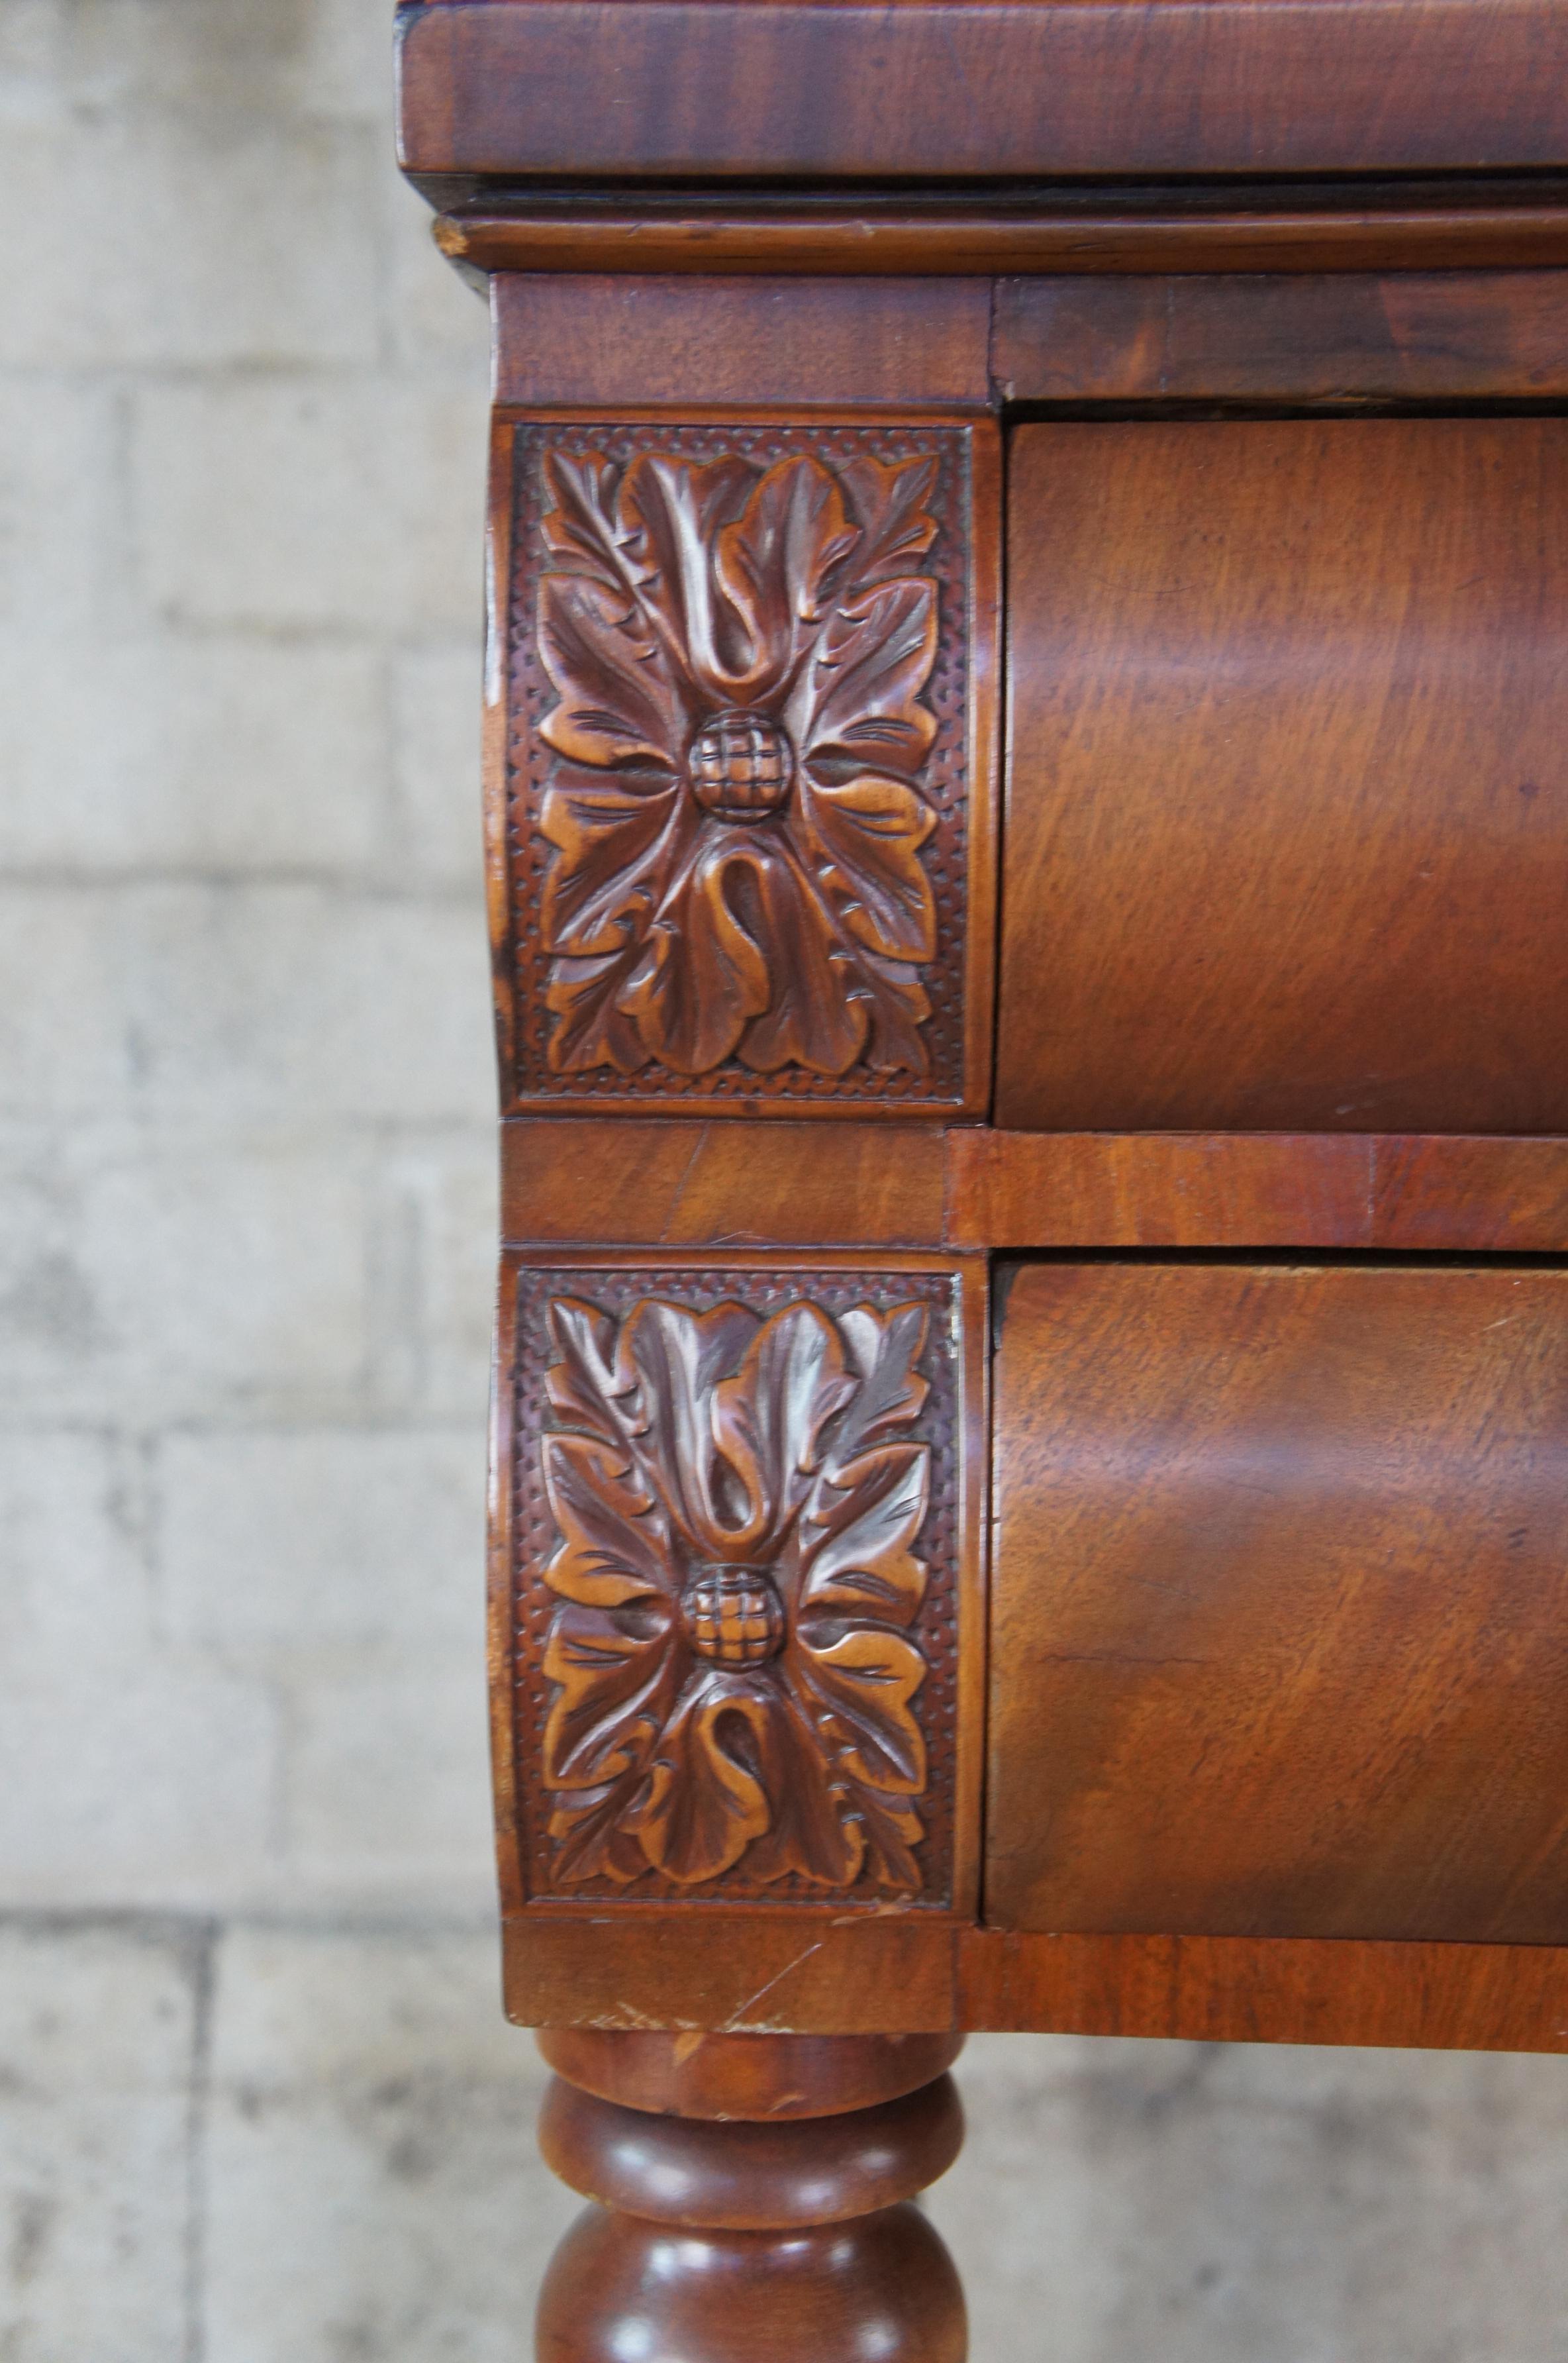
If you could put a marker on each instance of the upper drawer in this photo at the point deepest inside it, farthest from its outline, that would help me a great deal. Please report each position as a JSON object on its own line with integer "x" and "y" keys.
{"x": 1286, "y": 838}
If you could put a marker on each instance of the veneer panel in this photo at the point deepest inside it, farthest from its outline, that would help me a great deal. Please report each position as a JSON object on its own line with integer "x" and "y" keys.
{"x": 597, "y": 340}
{"x": 581, "y": 1180}
{"x": 1243, "y": 1990}
{"x": 1288, "y": 796}
{"x": 1413, "y": 335}
{"x": 723, "y": 89}
{"x": 1277, "y": 1639}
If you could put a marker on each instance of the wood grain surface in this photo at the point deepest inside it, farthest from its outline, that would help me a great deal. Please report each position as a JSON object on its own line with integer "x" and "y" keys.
{"x": 1467, "y": 1194}
{"x": 792, "y": 2222}
{"x": 682, "y": 339}
{"x": 1239, "y": 1990}
{"x": 758, "y": 1972}
{"x": 883, "y": 2284}
{"x": 1461, "y": 1195}
{"x": 975, "y": 239}
{"x": 853, "y": 1982}
{"x": 1410, "y": 335}
{"x": 1288, "y": 813}
{"x": 660, "y": 1183}
{"x": 749, "y": 2176}
{"x": 1278, "y": 1642}
{"x": 692, "y": 89}
{"x": 762, "y": 2078}
{"x": 571, "y": 1180}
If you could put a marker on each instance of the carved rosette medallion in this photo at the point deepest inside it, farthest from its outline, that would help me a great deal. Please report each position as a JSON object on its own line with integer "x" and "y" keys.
{"x": 737, "y": 761}
{"x": 736, "y": 1627}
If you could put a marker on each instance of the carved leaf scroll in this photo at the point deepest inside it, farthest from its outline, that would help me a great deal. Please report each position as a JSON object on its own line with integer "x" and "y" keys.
{"x": 737, "y": 1501}
{"x": 740, "y": 654}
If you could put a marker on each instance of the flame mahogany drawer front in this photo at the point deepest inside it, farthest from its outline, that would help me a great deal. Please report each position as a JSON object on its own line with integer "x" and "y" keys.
{"x": 1278, "y": 1639}
{"x": 1286, "y": 838}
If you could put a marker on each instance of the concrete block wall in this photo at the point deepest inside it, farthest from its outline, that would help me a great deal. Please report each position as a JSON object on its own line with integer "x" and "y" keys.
{"x": 245, "y": 1089}
{"x": 257, "y": 2102}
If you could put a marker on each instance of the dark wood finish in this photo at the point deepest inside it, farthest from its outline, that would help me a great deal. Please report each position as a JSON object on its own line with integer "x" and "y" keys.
{"x": 687, "y": 90}
{"x": 767, "y": 1971}
{"x": 795, "y": 342}
{"x": 1278, "y": 1646}
{"x": 1465, "y": 1195}
{"x": 1242, "y": 1990}
{"x": 1277, "y": 1636}
{"x": 765, "y": 2077}
{"x": 568, "y": 1181}
{"x": 1287, "y": 808}
{"x": 793, "y": 2297}
{"x": 741, "y": 2177}
{"x": 737, "y": 1594}
{"x": 1163, "y": 1188}
{"x": 1190, "y": 1988}
{"x": 1160, "y": 1189}
{"x": 1411, "y": 336}
{"x": 1352, "y": 1191}
{"x": 732, "y": 1613}
{"x": 748, "y": 765}
{"x": 673, "y": 1184}
{"x": 1442, "y": 1996}
{"x": 973, "y": 241}
{"x": 801, "y": 2225}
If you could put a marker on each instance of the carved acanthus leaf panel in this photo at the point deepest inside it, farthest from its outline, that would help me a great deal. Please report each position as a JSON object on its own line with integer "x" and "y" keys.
{"x": 738, "y": 761}
{"x": 735, "y": 1582}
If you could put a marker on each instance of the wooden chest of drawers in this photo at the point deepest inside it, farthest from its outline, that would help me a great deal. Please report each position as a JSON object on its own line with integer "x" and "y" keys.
{"x": 1028, "y": 759}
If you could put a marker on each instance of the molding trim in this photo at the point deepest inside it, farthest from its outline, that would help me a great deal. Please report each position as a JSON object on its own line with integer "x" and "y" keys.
{"x": 965, "y": 242}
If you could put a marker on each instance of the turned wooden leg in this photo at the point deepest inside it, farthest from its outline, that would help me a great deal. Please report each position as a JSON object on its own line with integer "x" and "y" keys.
{"x": 751, "y": 2199}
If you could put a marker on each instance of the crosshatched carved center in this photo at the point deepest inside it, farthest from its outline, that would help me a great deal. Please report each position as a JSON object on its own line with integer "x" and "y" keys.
{"x": 733, "y": 1615}
{"x": 742, "y": 765}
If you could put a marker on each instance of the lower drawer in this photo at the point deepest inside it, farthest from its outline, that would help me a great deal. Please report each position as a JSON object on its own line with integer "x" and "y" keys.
{"x": 1280, "y": 1601}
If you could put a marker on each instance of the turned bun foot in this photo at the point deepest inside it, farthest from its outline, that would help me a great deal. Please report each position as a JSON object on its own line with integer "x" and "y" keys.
{"x": 728, "y": 2237}
{"x": 766, "y": 2077}
{"x": 620, "y": 2291}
